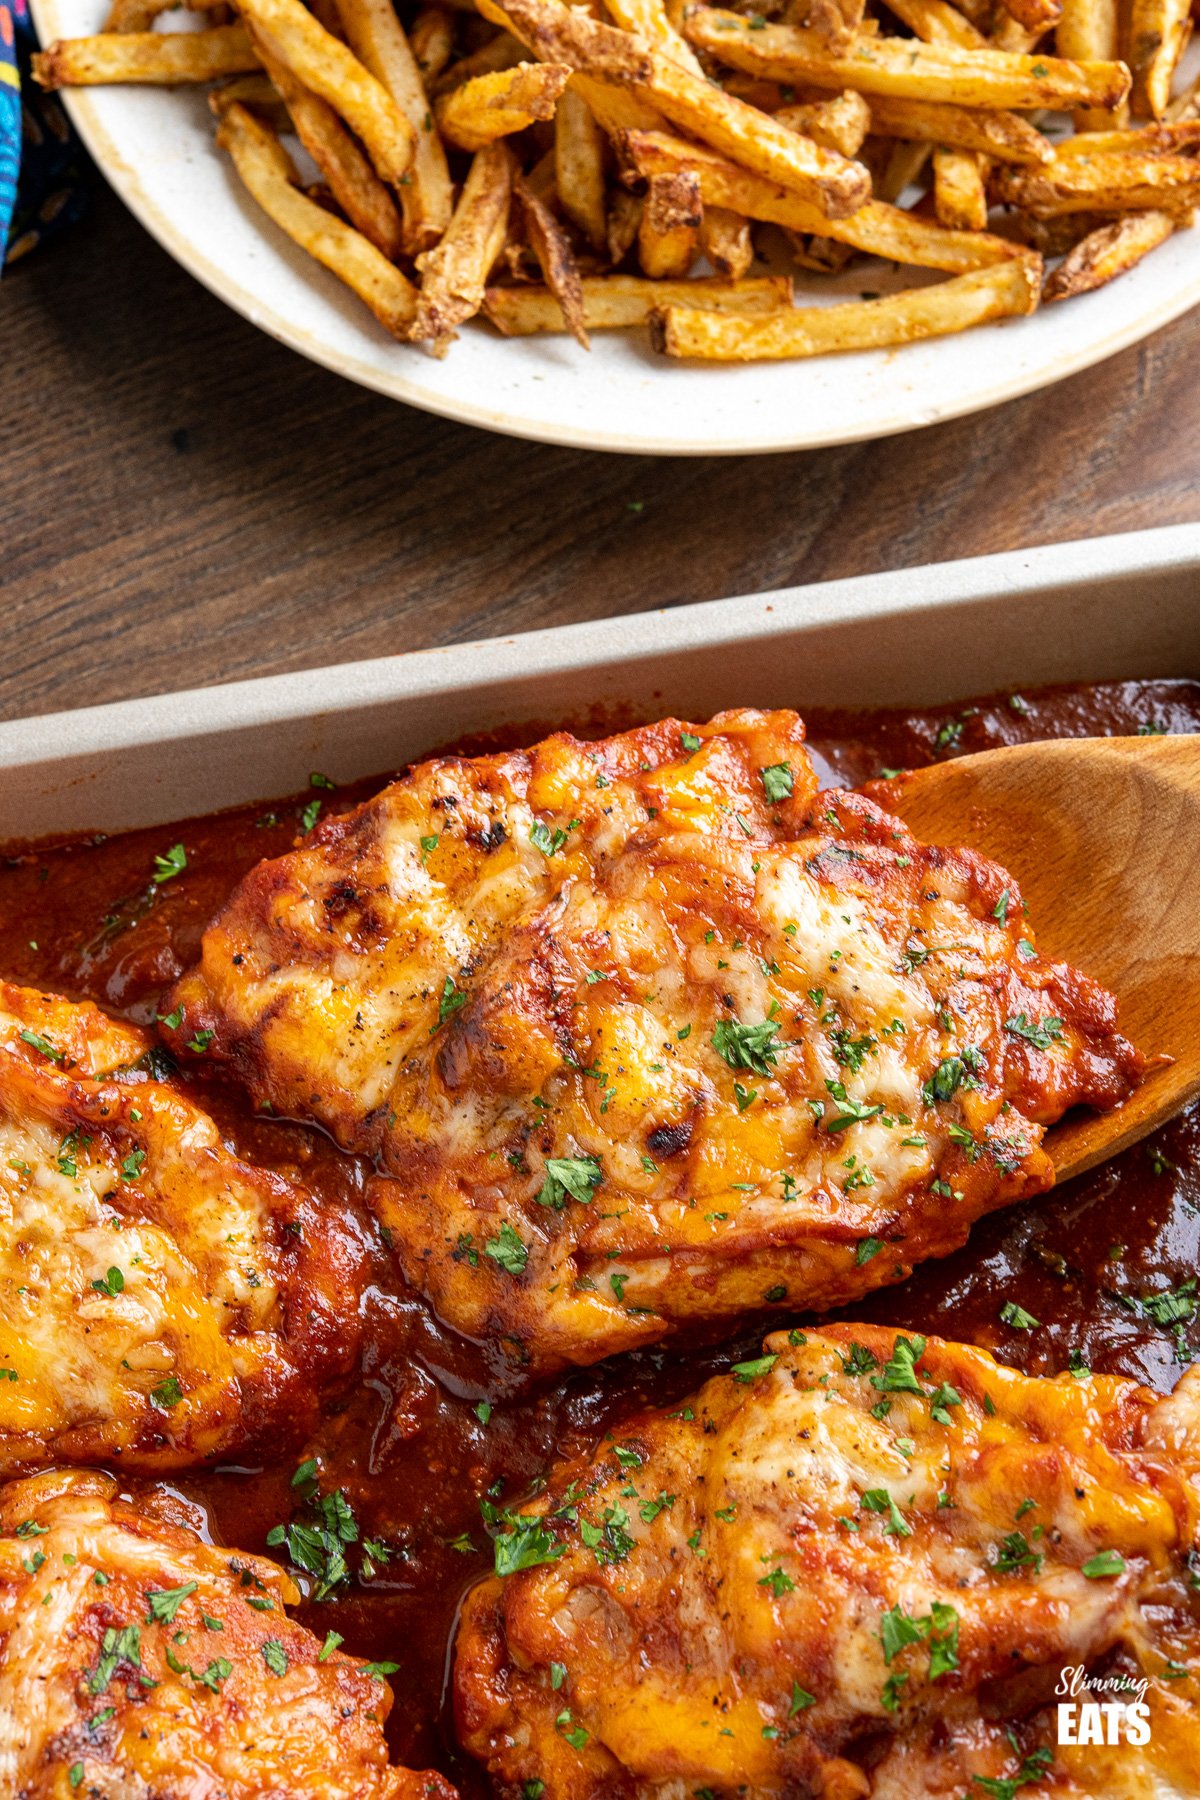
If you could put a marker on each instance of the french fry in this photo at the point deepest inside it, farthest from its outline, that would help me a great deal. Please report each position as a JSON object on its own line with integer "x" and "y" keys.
{"x": 159, "y": 58}
{"x": 669, "y": 230}
{"x": 900, "y": 66}
{"x": 959, "y": 199}
{"x": 1088, "y": 30}
{"x": 1034, "y": 16}
{"x": 840, "y": 123}
{"x": 556, "y": 259}
{"x": 1006, "y": 291}
{"x": 1104, "y": 182}
{"x": 266, "y": 170}
{"x": 431, "y": 41}
{"x": 611, "y": 302}
{"x": 494, "y": 106}
{"x": 556, "y": 33}
{"x": 579, "y": 167}
{"x": 1012, "y": 37}
{"x": 1004, "y": 136}
{"x": 649, "y": 19}
{"x": 876, "y": 229}
{"x": 837, "y": 21}
{"x": 904, "y": 168}
{"x": 326, "y": 67}
{"x": 258, "y": 92}
{"x": 454, "y": 273}
{"x": 1158, "y": 34}
{"x": 352, "y": 181}
{"x": 1103, "y": 255}
{"x": 624, "y": 217}
{"x": 936, "y": 22}
{"x": 504, "y": 51}
{"x": 1158, "y": 140}
{"x": 726, "y": 242}
{"x": 377, "y": 38}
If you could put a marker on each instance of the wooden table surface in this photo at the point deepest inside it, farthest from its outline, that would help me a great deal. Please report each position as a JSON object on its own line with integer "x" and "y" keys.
{"x": 183, "y": 501}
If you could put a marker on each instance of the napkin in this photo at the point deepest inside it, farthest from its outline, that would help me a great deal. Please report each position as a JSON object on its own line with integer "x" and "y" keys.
{"x": 42, "y": 184}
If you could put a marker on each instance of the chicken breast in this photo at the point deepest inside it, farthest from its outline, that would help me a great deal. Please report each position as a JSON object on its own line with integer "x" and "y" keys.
{"x": 160, "y": 1300}
{"x": 861, "y": 1564}
{"x": 137, "y": 1663}
{"x": 649, "y": 1031}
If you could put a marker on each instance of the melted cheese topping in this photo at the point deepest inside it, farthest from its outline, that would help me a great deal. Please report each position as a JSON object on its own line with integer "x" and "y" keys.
{"x": 144, "y": 1271}
{"x": 796, "y": 1049}
{"x": 856, "y": 1540}
{"x": 135, "y": 1660}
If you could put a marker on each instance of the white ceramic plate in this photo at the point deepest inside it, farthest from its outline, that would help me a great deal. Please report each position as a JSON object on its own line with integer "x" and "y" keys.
{"x": 156, "y": 148}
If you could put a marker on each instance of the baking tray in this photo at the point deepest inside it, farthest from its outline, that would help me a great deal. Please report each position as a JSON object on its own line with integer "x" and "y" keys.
{"x": 1108, "y": 607}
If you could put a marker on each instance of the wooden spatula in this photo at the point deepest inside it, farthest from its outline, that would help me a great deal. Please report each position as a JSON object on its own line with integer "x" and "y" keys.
{"x": 1103, "y": 835}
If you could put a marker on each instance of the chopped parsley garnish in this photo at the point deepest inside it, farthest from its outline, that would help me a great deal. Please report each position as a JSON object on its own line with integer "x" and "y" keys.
{"x": 690, "y": 742}
{"x": 610, "y": 1541}
{"x": 1105, "y": 1562}
{"x": 778, "y": 1582}
{"x": 449, "y": 1001}
{"x": 867, "y": 1248}
{"x": 135, "y": 1162}
{"x": 166, "y": 1394}
{"x": 116, "y": 1647}
{"x": 1041, "y": 1034}
{"x": 508, "y": 1251}
{"x": 778, "y": 781}
{"x": 111, "y": 1283}
{"x": 1033, "y": 1767}
{"x": 309, "y": 816}
{"x": 164, "y": 1603}
{"x": 800, "y": 1701}
{"x": 575, "y": 1176}
{"x": 525, "y": 1544}
{"x": 318, "y": 1544}
{"x": 750, "y": 1371}
{"x": 847, "y": 1112}
{"x": 899, "y": 1374}
{"x": 547, "y": 841}
{"x": 275, "y": 1656}
{"x": 173, "y": 863}
{"x": 753, "y": 1047}
{"x": 41, "y": 1044}
{"x": 1017, "y": 1317}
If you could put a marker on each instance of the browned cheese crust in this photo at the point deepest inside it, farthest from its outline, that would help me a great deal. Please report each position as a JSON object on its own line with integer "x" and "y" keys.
{"x": 137, "y": 1663}
{"x": 857, "y": 1565}
{"x": 650, "y": 1031}
{"x": 160, "y": 1299}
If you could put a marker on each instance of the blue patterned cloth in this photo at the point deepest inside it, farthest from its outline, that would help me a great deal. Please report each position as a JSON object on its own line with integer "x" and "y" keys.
{"x": 42, "y": 186}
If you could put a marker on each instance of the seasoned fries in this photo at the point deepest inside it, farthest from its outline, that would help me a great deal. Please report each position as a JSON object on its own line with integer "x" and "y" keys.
{"x": 352, "y": 181}
{"x": 880, "y": 65}
{"x": 613, "y": 301}
{"x": 998, "y": 293}
{"x": 959, "y": 197}
{"x": 455, "y": 271}
{"x": 1108, "y": 252}
{"x": 328, "y": 68}
{"x": 161, "y": 59}
{"x": 265, "y": 167}
{"x": 493, "y": 106}
{"x": 579, "y": 167}
{"x": 639, "y": 155}
{"x": 378, "y": 39}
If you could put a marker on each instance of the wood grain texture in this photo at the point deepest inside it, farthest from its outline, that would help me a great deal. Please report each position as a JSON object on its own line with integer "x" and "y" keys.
{"x": 184, "y": 501}
{"x": 1096, "y": 832}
